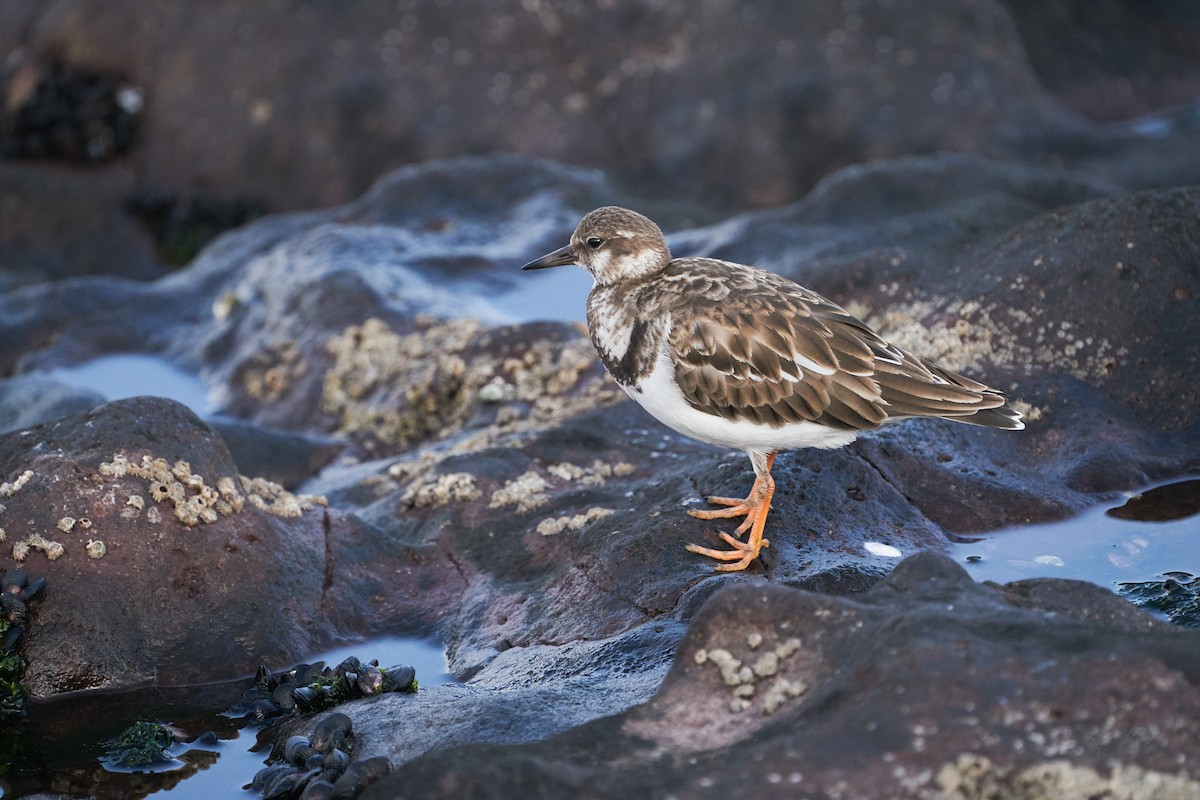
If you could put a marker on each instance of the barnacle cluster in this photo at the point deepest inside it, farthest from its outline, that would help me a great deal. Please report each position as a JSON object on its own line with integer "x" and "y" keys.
{"x": 403, "y": 387}
{"x": 554, "y": 525}
{"x": 196, "y": 502}
{"x": 526, "y": 491}
{"x": 765, "y": 666}
{"x": 35, "y": 541}
{"x": 452, "y": 487}
{"x": 8, "y": 489}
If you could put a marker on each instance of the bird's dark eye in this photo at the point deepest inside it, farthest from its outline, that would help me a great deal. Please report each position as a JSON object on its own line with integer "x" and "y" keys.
{"x": 594, "y": 242}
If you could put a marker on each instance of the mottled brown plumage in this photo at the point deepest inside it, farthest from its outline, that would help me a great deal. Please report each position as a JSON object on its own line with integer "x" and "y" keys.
{"x": 741, "y": 357}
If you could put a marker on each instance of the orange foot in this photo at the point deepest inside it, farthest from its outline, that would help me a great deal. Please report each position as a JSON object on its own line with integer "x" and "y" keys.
{"x": 754, "y": 508}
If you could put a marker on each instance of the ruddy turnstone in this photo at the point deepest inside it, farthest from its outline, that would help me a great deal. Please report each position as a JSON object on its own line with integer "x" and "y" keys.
{"x": 743, "y": 358}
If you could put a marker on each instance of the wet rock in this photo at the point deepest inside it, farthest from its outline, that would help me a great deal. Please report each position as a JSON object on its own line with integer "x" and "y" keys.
{"x": 29, "y": 400}
{"x": 286, "y": 457}
{"x": 203, "y": 573}
{"x": 924, "y": 686}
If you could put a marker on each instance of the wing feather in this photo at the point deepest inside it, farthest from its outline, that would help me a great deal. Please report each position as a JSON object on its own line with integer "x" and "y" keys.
{"x": 768, "y": 351}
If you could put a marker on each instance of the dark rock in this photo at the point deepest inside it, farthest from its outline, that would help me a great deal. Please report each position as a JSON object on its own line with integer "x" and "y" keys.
{"x": 286, "y": 457}
{"x": 167, "y": 602}
{"x": 1112, "y": 60}
{"x": 183, "y": 226}
{"x": 927, "y": 683}
{"x": 29, "y": 400}
{"x": 1162, "y": 504}
{"x": 613, "y": 85}
{"x": 56, "y": 225}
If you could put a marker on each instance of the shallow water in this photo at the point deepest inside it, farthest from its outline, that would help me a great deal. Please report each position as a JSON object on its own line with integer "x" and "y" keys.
{"x": 1145, "y": 536}
{"x": 60, "y": 745}
{"x": 1141, "y": 537}
{"x": 121, "y": 375}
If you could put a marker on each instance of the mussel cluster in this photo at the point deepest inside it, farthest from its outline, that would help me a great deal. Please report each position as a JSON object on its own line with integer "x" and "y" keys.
{"x": 307, "y": 688}
{"x": 16, "y": 591}
{"x": 318, "y": 766}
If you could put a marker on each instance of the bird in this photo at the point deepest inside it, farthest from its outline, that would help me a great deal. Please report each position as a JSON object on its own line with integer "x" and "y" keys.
{"x": 746, "y": 359}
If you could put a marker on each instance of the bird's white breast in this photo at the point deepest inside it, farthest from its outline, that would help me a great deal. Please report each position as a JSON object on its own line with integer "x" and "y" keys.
{"x": 661, "y": 397}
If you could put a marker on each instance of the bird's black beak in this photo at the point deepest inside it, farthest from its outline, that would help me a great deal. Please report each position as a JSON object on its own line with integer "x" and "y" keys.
{"x": 559, "y": 258}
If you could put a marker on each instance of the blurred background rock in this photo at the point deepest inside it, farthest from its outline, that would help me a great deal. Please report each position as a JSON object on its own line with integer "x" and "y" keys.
{"x": 132, "y": 134}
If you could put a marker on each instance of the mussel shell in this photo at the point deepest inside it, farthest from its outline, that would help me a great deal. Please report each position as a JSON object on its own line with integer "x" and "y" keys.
{"x": 337, "y": 760}
{"x": 318, "y": 790}
{"x": 297, "y": 749}
{"x": 285, "y": 784}
{"x": 349, "y": 664}
{"x": 13, "y": 607}
{"x": 360, "y": 775}
{"x": 266, "y": 775}
{"x": 308, "y": 673}
{"x": 331, "y": 732}
{"x": 10, "y": 639}
{"x": 284, "y": 697}
{"x": 306, "y": 699}
{"x": 33, "y": 589}
{"x": 265, "y": 708}
{"x": 370, "y": 680}
{"x": 14, "y": 580}
{"x": 399, "y": 678}
{"x": 263, "y": 676}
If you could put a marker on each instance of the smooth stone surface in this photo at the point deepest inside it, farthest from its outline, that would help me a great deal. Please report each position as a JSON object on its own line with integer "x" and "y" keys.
{"x": 928, "y": 685}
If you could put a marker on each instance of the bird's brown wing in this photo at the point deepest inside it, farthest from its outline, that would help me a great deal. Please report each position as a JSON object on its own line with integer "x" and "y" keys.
{"x": 749, "y": 345}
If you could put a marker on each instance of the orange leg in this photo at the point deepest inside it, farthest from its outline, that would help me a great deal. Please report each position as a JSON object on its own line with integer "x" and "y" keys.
{"x": 754, "y": 508}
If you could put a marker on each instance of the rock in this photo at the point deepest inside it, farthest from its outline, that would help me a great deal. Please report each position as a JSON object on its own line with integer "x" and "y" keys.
{"x": 928, "y": 685}
{"x": 171, "y": 602}
{"x": 29, "y": 400}
{"x": 332, "y": 328}
{"x": 611, "y": 86}
{"x": 58, "y": 225}
{"x": 285, "y": 457}
{"x": 1097, "y": 58}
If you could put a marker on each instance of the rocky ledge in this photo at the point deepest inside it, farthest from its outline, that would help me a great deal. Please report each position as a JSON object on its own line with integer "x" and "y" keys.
{"x": 457, "y": 473}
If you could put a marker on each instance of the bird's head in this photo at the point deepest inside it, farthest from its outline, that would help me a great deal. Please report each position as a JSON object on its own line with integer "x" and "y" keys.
{"x": 614, "y": 244}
